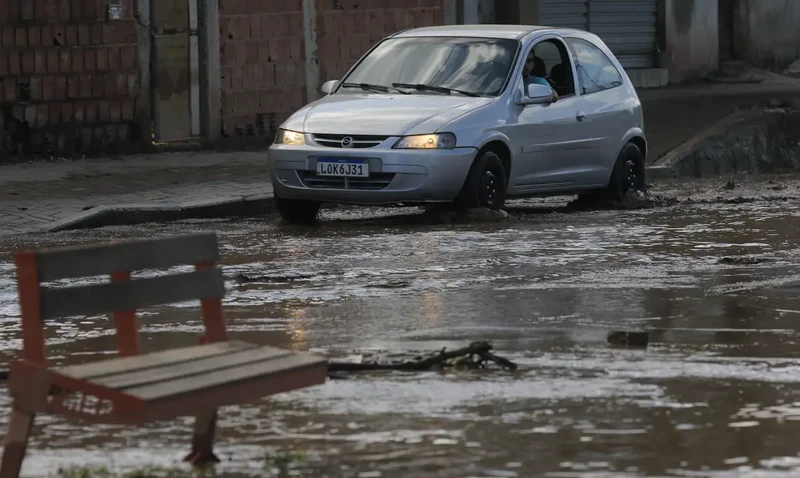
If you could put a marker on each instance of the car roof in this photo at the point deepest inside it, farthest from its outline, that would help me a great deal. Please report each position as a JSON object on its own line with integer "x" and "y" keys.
{"x": 514, "y": 32}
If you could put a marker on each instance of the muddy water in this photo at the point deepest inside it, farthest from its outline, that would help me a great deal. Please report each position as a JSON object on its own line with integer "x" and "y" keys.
{"x": 716, "y": 394}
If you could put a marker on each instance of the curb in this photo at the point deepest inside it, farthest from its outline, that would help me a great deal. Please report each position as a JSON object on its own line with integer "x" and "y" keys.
{"x": 132, "y": 214}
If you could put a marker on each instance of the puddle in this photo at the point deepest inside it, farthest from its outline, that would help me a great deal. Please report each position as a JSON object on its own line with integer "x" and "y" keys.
{"x": 714, "y": 279}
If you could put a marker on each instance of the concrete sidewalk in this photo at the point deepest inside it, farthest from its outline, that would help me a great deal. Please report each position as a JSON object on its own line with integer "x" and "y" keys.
{"x": 42, "y": 196}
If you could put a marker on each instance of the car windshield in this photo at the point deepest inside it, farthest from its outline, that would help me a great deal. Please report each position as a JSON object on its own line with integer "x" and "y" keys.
{"x": 472, "y": 65}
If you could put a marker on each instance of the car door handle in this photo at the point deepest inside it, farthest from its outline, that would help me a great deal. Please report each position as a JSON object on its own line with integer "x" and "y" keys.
{"x": 580, "y": 116}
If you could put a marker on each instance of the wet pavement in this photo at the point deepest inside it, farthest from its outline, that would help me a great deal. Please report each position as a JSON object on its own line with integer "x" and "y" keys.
{"x": 713, "y": 275}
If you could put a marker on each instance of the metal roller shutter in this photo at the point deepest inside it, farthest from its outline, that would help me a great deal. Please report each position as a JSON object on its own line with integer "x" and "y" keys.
{"x": 564, "y": 13}
{"x": 629, "y": 29}
{"x": 627, "y": 26}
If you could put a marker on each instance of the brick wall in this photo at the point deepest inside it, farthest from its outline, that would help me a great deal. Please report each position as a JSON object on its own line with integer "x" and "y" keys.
{"x": 68, "y": 79}
{"x": 346, "y": 29}
{"x": 262, "y": 54}
{"x": 262, "y": 66}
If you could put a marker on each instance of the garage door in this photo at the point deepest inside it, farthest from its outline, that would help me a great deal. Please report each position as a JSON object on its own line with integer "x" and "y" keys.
{"x": 627, "y": 26}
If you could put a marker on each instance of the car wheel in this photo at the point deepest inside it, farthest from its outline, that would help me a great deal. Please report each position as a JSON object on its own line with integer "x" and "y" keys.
{"x": 297, "y": 210}
{"x": 485, "y": 185}
{"x": 628, "y": 175}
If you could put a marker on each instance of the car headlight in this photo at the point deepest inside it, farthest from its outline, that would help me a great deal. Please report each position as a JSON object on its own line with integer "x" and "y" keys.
{"x": 428, "y": 141}
{"x": 290, "y": 138}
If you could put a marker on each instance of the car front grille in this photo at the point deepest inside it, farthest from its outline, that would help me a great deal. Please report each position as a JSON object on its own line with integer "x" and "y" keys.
{"x": 375, "y": 181}
{"x": 356, "y": 141}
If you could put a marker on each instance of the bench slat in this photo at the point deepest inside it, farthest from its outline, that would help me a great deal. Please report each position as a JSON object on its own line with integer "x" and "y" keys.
{"x": 152, "y": 361}
{"x": 123, "y": 256}
{"x": 131, "y": 295}
{"x": 228, "y": 377}
{"x": 175, "y": 371}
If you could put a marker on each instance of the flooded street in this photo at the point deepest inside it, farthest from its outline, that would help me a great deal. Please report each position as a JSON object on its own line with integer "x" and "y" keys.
{"x": 715, "y": 277}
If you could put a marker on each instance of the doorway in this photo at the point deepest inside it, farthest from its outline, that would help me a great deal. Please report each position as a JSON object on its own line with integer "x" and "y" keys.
{"x": 727, "y": 12}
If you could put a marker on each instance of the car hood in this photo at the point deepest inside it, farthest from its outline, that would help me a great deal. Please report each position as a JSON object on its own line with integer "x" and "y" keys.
{"x": 382, "y": 114}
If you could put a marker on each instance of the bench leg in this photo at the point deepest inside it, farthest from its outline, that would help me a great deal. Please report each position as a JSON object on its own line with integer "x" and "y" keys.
{"x": 205, "y": 427}
{"x": 15, "y": 443}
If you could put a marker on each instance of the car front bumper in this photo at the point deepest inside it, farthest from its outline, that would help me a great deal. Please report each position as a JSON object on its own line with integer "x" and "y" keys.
{"x": 395, "y": 176}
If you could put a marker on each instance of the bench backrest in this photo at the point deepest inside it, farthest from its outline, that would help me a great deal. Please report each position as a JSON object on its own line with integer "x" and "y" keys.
{"x": 122, "y": 295}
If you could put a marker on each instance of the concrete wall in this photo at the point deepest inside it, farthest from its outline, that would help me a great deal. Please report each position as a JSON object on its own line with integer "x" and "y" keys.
{"x": 68, "y": 78}
{"x": 766, "y": 32}
{"x": 692, "y": 38}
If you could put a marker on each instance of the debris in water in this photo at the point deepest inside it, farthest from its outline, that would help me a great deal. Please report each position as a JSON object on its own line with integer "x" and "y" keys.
{"x": 396, "y": 284}
{"x": 475, "y": 356}
{"x": 629, "y": 339}
{"x": 730, "y": 185}
{"x": 242, "y": 277}
{"x": 742, "y": 260}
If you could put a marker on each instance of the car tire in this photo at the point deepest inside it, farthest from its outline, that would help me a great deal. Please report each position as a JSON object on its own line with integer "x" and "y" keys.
{"x": 627, "y": 176}
{"x": 485, "y": 186}
{"x": 297, "y": 211}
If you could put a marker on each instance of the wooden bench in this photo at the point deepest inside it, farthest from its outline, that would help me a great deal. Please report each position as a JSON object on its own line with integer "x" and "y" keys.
{"x": 136, "y": 388}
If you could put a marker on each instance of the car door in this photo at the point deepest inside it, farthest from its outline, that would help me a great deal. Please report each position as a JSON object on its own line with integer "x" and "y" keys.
{"x": 607, "y": 107}
{"x": 549, "y": 138}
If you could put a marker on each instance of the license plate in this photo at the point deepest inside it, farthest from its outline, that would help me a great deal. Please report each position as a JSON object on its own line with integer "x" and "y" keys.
{"x": 356, "y": 168}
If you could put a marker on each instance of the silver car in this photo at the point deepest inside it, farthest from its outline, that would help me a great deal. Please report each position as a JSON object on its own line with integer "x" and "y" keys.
{"x": 467, "y": 115}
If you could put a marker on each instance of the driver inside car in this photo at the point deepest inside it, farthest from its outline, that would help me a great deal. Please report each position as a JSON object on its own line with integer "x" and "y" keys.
{"x": 535, "y": 72}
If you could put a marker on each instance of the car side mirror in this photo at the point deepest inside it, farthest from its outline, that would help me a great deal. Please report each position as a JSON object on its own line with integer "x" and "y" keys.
{"x": 537, "y": 95}
{"x": 328, "y": 86}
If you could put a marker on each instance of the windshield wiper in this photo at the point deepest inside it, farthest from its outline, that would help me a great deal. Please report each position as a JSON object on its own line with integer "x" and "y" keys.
{"x": 373, "y": 87}
{"x": 441, "y": 89}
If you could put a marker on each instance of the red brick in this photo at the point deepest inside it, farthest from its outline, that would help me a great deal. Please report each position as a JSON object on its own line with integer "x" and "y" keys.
{"x": 34, "y": 35}
{"x": 83, "y": 34}
{"x": 263, "y": 51}
{"x": 64, "y": 10}
{"x": 35, "y": 86}
{"x": 68, "y": 35}
{"x": 247, "y": 76}
{"x": 28, "y": 62}
{"x": 114, "y": 58}
{"x": 255, "y": 27}
{"x": 67, "y": 113}
{"x": 102, "y": 59}
{"x": 240, "y": 53}
{"x": 42, "y": 115}
{"x": 128, "y": 58}
{"x": 128, "y": 31}
{"x": 64, "y": 60}
{"x": 253, "y": 53}
{"x": 116, "y": 111}
{"x": 21, "y": 37}
{"x": 73, "y": 87}
{"x": 225, "y": 78}
{"x": 110, "y": 84}
{"x": 122, "y": 84}
{"x": 269, "y": 75}
{"x": 227, "y": 54}
{"x": 103, "y": 111}
{"x": 79, "y": 112}
{"x": 96, "y": 33}
{"x": 5, "y": 60}
{"x": 26, "y": 10}
{"x": 90, "y": 59}
{"x": 77, "y": 60}
{"x": 7, "y": 37}
{"x": 48, "y": 88}
{"x": 98, "y": 86}
{"x": 53, "y": 62}
{"x": 55, "y": 114}
{"x": 128, "y": 109}
{"x": 10, "y": 87}
{"x": 86, "y": 86}
{"x": 90, "y": 112}
{"x": 90, "y": 9}
{"x": 236, "y": 78}
{"x": 61, "y": 87}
